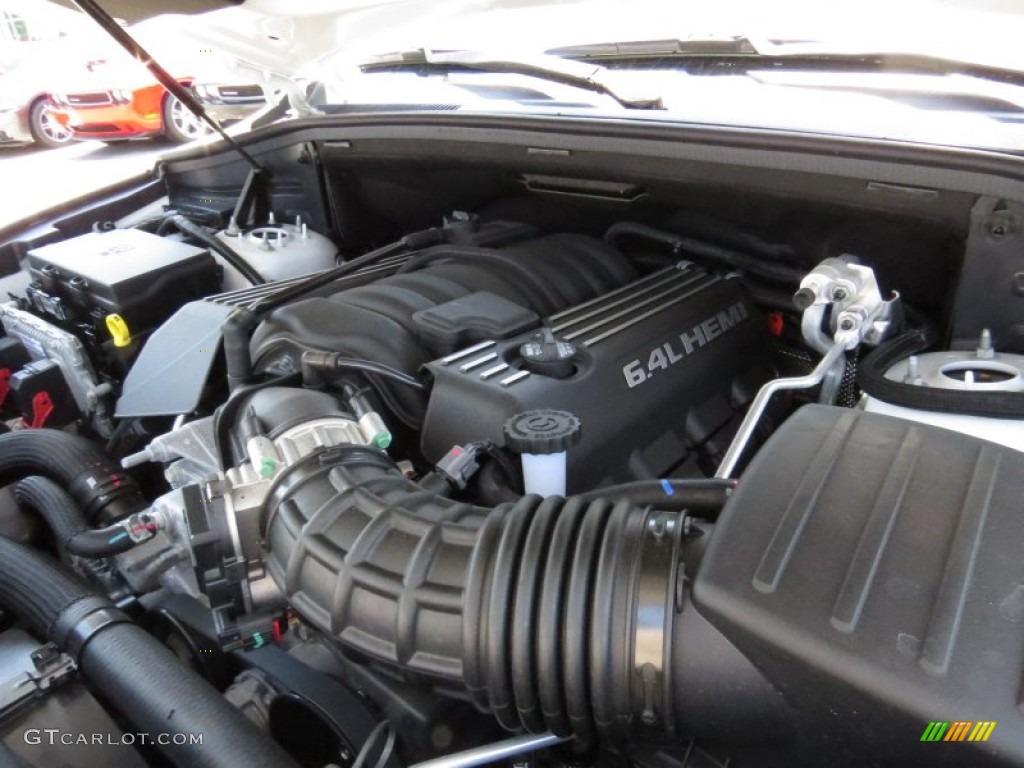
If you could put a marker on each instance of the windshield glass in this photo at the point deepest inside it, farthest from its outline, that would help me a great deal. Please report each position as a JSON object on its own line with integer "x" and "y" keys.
{"x": 928, "y": 71}
{"x": 974, "y": 31}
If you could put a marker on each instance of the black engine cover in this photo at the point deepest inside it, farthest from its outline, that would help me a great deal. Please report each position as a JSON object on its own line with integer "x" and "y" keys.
{"x": 656, "y": 368}
{"x": 444, "y": 295}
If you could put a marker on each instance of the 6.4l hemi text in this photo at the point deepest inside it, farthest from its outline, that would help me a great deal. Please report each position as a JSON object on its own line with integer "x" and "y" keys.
{"x": 672, "y": 351}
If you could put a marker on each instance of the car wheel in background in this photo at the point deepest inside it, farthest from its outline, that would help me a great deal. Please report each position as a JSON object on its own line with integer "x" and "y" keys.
{"x": 46, "y": 131}
{"x": 180, "y": 125}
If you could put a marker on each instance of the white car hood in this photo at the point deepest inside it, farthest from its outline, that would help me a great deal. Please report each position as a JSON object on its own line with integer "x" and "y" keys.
{"x": 285, "y": 36}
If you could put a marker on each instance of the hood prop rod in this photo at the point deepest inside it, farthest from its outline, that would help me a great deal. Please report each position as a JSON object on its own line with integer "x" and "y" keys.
{"x": 92, "y": 9}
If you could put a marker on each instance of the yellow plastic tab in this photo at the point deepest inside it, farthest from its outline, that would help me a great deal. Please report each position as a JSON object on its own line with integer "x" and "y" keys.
{"x": 119, "y": 330}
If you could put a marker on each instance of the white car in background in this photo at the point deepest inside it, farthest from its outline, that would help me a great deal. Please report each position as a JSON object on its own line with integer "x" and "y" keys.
{"x": 25, "y": 106}
{"x": 25, "y": 119}
{"x": 41, "y": 46}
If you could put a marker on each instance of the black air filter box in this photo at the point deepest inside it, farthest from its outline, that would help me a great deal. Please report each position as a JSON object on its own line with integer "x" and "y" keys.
{"x": 873, "y": 569}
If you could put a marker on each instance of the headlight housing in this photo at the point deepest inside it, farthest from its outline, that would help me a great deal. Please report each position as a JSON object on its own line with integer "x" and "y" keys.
{"x": 207, "y": 94}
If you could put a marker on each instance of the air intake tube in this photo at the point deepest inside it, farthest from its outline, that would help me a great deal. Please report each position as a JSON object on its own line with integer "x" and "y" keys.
{"x": 556, "y": 614}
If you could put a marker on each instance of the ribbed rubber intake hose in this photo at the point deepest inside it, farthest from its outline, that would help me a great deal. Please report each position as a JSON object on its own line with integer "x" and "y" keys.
{"x": 148, "y": 684}
{"x": 554, "y": 613}
{"x": 101, "y": 489}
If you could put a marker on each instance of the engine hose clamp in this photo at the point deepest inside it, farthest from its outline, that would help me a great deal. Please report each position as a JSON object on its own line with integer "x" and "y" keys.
{"x": 655, "y": 601}
{"x": 80, "y": 621}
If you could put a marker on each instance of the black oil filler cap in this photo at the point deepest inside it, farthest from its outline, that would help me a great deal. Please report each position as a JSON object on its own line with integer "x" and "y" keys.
{"x": 548, "y": 355}
{"x": 542, "y": 431}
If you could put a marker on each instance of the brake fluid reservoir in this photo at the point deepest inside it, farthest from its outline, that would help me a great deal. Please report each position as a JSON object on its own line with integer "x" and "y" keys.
{"x": 277, "y": 252}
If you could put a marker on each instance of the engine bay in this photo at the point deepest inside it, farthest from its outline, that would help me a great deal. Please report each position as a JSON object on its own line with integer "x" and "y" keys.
{"x": 452, "y": 457}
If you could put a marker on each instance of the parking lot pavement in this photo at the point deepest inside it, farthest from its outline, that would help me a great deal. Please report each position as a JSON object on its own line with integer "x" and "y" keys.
{"x": 34, "y": 179}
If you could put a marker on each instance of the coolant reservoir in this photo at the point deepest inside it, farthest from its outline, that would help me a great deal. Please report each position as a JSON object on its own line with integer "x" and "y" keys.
{"x": 277, "y": 252}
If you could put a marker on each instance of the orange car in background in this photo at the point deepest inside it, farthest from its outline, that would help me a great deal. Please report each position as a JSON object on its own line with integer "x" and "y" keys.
{"x": 114, "y": 114}
{"x": 115, "y": 98}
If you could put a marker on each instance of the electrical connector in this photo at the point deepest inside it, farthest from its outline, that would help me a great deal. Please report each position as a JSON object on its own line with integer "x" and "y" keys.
{"x": 460, "y": 464}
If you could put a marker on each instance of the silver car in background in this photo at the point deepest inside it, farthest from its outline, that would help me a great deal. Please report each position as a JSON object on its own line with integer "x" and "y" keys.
{"x": 229, "y": 103}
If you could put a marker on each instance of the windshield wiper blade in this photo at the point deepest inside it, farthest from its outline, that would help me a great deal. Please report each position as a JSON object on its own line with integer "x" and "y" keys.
{"x": 781, "y": 54}
{"x": 176, "y": 89}
{"x": 712, "y": 46}
{"x": 577, "y": 74}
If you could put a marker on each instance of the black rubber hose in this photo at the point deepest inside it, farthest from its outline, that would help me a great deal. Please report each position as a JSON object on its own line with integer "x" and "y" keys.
{"x": 229, "y": 254}
{"x": 770, "y": 297}
{"x": 101, "y": 542}
{"x": 36, "y": 589}
{"x": 316, "y": 364}
{"x": 704, "y": 497}
{"x": 159, "y": 694}
{"x": 683, "y": 245}
{"x": 147, "y": 683}
{"x": 236, "y": 332}
{"x": 51, "y": 502}
{"x": 871, "y": 378}
{"x": 98, "y": 486}
{"x": 532, "y": 605}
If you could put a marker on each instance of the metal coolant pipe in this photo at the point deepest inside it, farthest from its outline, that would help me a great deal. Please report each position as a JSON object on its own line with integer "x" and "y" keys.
{"x": 749, "y": 424}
